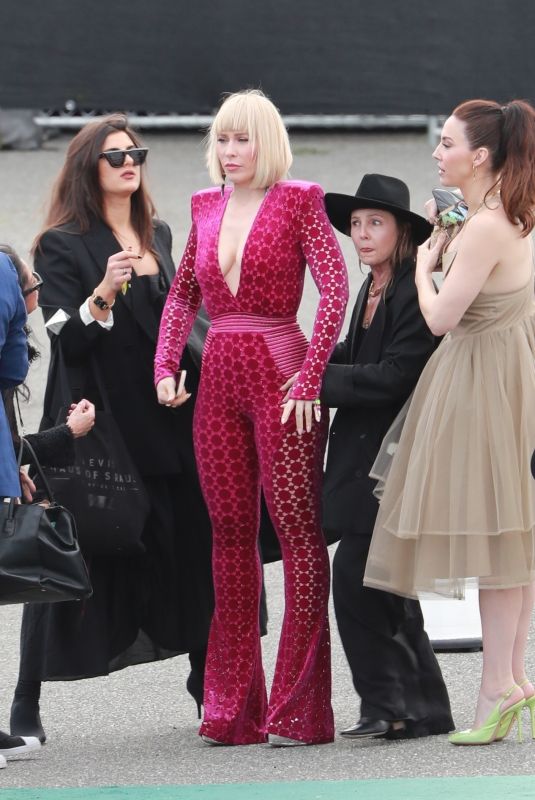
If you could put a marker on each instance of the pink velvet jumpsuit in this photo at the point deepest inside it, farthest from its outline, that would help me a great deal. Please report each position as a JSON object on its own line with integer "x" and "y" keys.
{"x": 254, "y": 345}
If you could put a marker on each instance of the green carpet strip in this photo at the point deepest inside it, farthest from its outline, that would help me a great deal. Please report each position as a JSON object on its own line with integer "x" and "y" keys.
{"x": 514, "y": 787}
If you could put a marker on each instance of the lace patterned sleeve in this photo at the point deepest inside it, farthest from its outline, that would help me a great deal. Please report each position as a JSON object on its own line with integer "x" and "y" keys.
{"x": 180, "y": 310}
{"x": 326, "y": 263}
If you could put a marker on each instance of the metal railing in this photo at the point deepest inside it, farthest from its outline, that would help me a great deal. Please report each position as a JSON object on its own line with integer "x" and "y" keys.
{"x": 170, "y": 121}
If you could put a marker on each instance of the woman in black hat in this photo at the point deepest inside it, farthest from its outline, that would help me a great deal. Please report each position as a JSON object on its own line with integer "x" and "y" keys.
{"x": 370, "y": 376}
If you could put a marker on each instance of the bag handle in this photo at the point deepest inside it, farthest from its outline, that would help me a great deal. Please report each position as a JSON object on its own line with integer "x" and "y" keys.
{"x": 8, "y": 529}
{"x": 25, "y": 443}
{"x": 100, "y": 384}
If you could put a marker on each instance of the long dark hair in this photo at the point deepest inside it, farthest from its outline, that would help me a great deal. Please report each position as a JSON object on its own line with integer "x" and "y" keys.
{"x": 76, "y": 194}
{"x": 508, "y": 132}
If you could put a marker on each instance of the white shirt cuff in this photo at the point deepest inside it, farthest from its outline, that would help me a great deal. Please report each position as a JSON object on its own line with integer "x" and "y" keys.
{"x": 87, "y": 318}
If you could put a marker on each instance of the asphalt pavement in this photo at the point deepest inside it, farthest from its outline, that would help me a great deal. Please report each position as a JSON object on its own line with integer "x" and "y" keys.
{"x": 138, "y": 727}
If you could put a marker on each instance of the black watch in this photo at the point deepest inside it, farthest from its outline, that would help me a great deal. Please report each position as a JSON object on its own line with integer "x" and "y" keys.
{"x": 101, "y": 303}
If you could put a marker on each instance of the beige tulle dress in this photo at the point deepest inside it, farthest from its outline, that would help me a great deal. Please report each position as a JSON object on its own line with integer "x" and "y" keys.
{"x": 459, "y": 498}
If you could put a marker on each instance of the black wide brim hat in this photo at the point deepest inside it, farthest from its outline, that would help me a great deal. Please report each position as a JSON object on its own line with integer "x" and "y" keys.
{"x": 381, "y": 192}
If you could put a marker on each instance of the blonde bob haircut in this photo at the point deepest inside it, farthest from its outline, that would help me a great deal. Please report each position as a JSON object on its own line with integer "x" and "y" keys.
{"x": 251, "y": 112}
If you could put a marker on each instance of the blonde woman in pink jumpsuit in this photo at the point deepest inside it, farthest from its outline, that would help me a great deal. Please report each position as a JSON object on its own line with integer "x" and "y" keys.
{"x": 245, "y": 259}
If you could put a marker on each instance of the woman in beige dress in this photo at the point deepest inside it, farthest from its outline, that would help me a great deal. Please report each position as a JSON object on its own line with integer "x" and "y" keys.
{"x": 459, "y": 501}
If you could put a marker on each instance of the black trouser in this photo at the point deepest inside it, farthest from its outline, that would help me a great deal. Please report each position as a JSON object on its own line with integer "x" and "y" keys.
{"x": 394, "y": 668}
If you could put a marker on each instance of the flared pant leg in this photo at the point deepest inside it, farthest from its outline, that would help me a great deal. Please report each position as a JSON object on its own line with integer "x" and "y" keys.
{"x": 300, "y": 699}
{"x": 235, "y": 698}
{"x": 240, "y": 443}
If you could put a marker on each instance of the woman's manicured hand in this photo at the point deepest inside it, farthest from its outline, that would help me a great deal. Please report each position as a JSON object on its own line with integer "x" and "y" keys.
{"x": 305, "y": 410}
{"x": 170, "y": 393}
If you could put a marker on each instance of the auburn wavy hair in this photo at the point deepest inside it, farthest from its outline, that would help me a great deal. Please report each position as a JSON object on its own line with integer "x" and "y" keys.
{"x": 508, "y": 132}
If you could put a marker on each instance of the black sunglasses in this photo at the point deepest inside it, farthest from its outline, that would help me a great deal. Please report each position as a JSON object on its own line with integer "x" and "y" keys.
{"x": 37, "y": 285}
{"x": 116, "y": 158}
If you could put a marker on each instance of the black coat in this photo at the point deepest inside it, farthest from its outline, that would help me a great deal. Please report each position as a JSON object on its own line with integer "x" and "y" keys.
{"x": 159, "y": 604}
{"x": 72, "y": 265}
{"x": 368, "y": 388}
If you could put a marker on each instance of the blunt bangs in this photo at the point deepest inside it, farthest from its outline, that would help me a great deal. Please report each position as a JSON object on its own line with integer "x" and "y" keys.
{"x": 253, "y": 113}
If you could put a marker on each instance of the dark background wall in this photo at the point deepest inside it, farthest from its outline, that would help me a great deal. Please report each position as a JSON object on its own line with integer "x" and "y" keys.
{"x": 310, "y": 56}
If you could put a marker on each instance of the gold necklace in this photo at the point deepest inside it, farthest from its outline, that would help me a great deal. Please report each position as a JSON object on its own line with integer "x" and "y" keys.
{"x": 373, "y": 292}
{"x": 483, "y": 203}
{"x": 469, "y": 216}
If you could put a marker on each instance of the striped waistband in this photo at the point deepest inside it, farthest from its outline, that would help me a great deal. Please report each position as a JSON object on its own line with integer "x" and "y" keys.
{"x": 249, "y": 323}
{"x": 284, "y": 338}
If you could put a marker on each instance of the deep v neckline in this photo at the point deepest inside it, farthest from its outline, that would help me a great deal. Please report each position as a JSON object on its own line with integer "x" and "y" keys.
{"x": 247, "y": 238}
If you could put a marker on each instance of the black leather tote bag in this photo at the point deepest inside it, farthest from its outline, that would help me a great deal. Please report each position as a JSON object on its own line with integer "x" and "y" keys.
{"x": 40, "y": 560}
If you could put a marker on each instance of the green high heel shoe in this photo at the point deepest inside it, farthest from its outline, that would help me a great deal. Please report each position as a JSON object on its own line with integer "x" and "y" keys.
{"x": 497, "y": 725}
{"x": 529, "y": 703}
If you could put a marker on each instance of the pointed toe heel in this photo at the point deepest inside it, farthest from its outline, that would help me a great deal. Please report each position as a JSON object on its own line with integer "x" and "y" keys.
{"x": 274, "y": 740}
{"x": 497, "y": 725}
{"x": 212, "y": 742}
{"x": 367, "y": 728}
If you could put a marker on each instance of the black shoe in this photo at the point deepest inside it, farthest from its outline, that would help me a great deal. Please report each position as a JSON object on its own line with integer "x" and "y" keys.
{"x": 367, "y": 727}
{"x": 25, "y": 719}
{"x": 16, "y": 745}
{"x": 195, "y": 680}
{"x": 195, "y": 686}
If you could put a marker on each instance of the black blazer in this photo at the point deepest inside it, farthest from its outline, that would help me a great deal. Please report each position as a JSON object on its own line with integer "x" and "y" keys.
{"x": 369, "y": 387}
{"x": 72, "y": 265}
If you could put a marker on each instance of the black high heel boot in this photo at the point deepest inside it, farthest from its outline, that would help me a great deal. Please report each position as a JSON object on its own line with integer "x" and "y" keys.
{"x": 194, "y": 685}
{"x": 195, "y": 679}
{"x": 25, "y": 719}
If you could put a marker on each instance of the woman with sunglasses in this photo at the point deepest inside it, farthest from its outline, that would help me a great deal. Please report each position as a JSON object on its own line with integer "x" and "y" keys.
{"x": 106, "y": 267}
